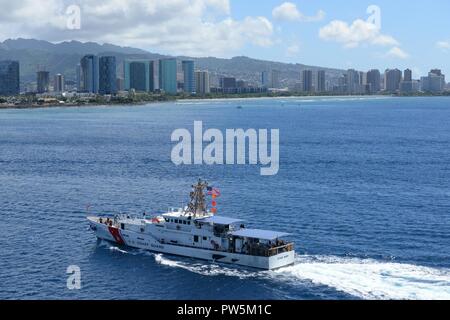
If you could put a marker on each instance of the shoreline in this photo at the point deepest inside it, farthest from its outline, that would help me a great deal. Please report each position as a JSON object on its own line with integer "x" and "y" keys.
{"x": 196, "y": 100}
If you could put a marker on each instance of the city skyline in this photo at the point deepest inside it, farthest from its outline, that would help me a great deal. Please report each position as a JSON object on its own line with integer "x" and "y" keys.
{"x": 98, "y": 75}
{"x": 410, "y": 34}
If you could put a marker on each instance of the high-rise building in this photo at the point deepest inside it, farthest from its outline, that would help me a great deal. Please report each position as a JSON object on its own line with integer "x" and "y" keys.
{"x": 341, "y": 86}
{"x": 78, "y": 80}
{"x": 139, "y": 75}
{"x": 9, "y": 78}
{"x": 374, "y": 81}
{"x": 89, "y": 74}
{"x": 202, "y": 84}
{"x": 270, "y": 79}
{"x": 265, "y": 79}
{"x": 407, "y": 75}
{"x": 228, "y": 83}
{"x": 354, "y": 85}
{"x": 275, "y": 79}
{"x": 362, "y": 78}
{"x": 321, "y": 82}
{"x": 436, "y": 72}
{"x": 188, "y": 76}
{"x": 43, "y": 81}
{"x": 59, "y": 83}
{"x": 392, "y": 79}
{"x": 434, "y": 82}
{"x": 168, "y": 75}
{"x": 107, "y": 75}
{"x": 407, "y": 85}
{"x": 307, "y": 80}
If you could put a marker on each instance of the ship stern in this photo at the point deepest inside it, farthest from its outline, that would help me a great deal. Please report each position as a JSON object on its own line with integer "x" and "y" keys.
{"x": 281, "y": 260}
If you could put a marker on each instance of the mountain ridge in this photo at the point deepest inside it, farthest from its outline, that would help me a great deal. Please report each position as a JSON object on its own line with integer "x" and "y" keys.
{"x": 64, "y": 56}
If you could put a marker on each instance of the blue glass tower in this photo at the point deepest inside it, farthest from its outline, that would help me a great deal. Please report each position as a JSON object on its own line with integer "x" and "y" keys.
{"x": 89, "y": 74}
{"x": 139, "y": 75}
{"x": 107, "y": 75}
{"x": 168, "y": 75}
{"x": 43, "y": 81}
{"x": 9, "y": 78}
{"x": 189, "y": 76}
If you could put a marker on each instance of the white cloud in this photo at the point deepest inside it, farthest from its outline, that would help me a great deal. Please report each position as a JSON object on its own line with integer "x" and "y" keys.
{"x": 288, "y": 11}
{"x": 191, "y": 27}
{"x": 396, "y": 52}
{"x": 444, "y": 45}
{"x": 359, "y": 32}
{"x": 29, "y": 12}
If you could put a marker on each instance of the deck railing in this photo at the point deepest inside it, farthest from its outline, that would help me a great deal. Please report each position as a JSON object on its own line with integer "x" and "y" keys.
{"x": 284, "y": 248}
{"x": 265, "y": 251}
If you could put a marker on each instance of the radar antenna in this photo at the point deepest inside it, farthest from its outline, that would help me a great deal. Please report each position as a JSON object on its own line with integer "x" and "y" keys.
{"x": 197, "y": 204}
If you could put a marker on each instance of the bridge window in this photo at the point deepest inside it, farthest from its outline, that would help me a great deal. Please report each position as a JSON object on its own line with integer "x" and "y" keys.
{"x": 195, "y": 238}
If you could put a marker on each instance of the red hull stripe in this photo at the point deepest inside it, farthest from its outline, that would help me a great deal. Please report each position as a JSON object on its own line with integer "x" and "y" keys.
{"x": 116, "y": 235}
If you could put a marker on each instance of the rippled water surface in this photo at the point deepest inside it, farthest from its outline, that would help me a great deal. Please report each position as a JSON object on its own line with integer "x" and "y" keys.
{"x": 364, "y": 187}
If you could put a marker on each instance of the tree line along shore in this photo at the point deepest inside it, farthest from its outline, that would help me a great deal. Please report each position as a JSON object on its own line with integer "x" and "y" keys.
{"x": 35, "y": 101}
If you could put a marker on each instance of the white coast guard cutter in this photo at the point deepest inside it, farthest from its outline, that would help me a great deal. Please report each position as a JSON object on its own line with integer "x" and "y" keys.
{"x": 197, "y": 233}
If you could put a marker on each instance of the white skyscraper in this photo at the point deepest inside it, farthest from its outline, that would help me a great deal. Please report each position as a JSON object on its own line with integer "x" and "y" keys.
{"x": 354, "y": 82}
{"x": 321, "y": 83}
{"x": 275, "y": 79}
{"x": 202, "y": 82}
{"x": 434, "y": 82}
{"x": 392, "y": 79}
{"x": 59, "y": 83}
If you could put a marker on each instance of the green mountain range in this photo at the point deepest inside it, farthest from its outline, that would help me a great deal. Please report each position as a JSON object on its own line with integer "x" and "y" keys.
{"x": 63, "y": 58}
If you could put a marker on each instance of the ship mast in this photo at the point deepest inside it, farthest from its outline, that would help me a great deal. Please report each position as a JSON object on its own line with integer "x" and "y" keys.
{"x": 197, "y": 204}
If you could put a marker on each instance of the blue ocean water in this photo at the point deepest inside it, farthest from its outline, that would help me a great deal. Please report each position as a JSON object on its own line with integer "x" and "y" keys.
{"x": 363, "y": 186}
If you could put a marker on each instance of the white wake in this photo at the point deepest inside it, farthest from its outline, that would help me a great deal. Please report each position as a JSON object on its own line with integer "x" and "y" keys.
{"x": 371, "y": 279}
{"x": 363, "y": 278}
{"x": 205, "y": 269}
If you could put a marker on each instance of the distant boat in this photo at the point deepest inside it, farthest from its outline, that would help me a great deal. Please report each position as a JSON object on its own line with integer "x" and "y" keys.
{"x": 239, "y": 107}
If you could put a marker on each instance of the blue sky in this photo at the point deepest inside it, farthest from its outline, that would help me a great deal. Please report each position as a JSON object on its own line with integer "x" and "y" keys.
{"x": 418, "y": 26}
{"x": 411, "y": 34}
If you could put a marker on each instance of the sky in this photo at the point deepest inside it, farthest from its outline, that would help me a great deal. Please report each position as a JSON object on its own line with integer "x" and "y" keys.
{"x": 346, "y": 34}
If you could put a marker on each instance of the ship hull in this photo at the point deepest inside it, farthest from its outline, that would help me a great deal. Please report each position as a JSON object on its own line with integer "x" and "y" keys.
{"x": 147, "y": 242}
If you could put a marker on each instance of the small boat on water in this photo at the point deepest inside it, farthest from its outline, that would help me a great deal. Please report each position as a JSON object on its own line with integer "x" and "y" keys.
{"x": 199, "y": 233}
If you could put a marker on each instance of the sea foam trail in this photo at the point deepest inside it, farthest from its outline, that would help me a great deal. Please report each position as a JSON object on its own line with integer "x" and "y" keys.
{"x": 107, "y": 245}
{"x": 370, "y": 279}
{"x": 363, "y": 278}
{"x": 112, "y": 248}
{"x": 205, "y": 269}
